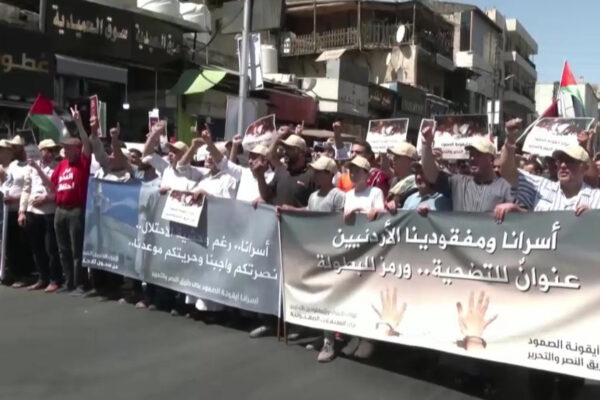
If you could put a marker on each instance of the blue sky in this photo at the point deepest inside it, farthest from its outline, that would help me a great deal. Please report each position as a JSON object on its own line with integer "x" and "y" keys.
{"x": 563, "y": 30}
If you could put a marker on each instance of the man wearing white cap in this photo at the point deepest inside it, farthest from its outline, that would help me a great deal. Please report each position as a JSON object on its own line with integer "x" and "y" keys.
{"x": 248, "y": 185}
{"x": 291, "y": 186}
{"x": 326, "y": 199}
{"x": 36, "y": 214}
{"x": 537, "y": 193}
{"x": 171, "y": 177}
{"x": 18, "y": 259}
{"x": 6, "y": 157}
{"x": 402, "y": 156}
{"x": 481, "y": 191}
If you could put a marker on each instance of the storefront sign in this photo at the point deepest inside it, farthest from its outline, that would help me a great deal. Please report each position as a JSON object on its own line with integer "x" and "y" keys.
{"x": 25, "y": 63}
{"x": 97, "y": 30}
{"x": 155, "y": 42}
{"x": 93, "y": 29}
{"x": 381, "y": 99}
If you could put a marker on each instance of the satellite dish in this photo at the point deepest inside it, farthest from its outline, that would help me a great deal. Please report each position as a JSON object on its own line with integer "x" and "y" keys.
{"x": 388, "y": 59}
{"x": 400, "y": 33}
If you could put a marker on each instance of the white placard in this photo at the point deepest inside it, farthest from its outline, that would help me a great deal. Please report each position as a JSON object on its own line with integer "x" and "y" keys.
{"x": 386, "y": 133}
{"x": 550, "y": 134}
{"x": 182, "y": 208}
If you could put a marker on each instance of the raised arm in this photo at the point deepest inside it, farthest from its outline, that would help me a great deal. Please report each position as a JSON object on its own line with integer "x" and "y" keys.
{"x": 120, "y": 159}
{"x": 153, "y": 138}
{"x": 587, "y": 140}
{"x": 340, "y": 150}
{"x": 98, "y": 147}
{"x": 266, "y": 192}
{"x": 272, "y": 155}
{"x": 45, "y": 179}
{"x": 430, "y": 168}
{"x": 210, "y": 145}
{"x": 508, "y": 166}
{"x": 236, "y": 144}
{"x": 85, "y": 141}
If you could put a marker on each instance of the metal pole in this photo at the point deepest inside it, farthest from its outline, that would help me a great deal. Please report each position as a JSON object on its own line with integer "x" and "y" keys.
{"x": 243, "y": 94}
{"x": 42, "y": 14}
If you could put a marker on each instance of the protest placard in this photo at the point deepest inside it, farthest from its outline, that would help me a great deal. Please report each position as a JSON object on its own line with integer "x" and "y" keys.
{"x": 550, "y": 134}
{"x": 261, "y": 131}
{"x": 386, "y": 133}
{"x": 454, "y": 132}
{"x": 183, "y": 208}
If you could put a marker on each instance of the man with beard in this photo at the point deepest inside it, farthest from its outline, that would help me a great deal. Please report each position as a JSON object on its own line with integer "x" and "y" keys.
{"x": 291, "y": 186}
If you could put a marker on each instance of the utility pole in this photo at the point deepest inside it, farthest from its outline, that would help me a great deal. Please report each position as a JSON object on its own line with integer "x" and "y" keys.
{"x": 244, "y": 56}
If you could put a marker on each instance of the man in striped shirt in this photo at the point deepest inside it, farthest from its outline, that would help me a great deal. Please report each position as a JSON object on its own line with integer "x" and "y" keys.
{"x": 537, "y": 193}
{"x": 481, "y": 191}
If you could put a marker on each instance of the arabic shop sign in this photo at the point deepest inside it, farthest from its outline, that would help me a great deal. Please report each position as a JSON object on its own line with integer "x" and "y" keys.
{"x": 25, "y": 63}
{"x": 155, "y": 42}
{"x": 381, "y": 98}
{"x": 97, "y": 30}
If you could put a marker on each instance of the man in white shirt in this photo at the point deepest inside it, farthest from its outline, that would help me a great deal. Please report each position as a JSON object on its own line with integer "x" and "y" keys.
{"x": 171, "y": 177}
{"x": 363, "y": 198}
{"x": 36, "y": 215}
{"x": 214, "y": 183}
{"x": 18, "y": 258}
{"x": 248, "y": 185}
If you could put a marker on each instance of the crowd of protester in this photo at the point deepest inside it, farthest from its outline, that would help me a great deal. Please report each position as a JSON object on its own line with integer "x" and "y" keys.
{"x": 45, "y": 199}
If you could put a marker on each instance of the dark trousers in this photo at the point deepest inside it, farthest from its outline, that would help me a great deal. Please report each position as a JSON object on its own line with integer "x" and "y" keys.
{"x": 42, "y": 239}
{"x": 69, "y": 225}
{"x": 18, "y": 257}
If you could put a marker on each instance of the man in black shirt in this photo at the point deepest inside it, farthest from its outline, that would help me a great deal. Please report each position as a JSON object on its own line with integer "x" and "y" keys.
{"x": 292, "y": 185}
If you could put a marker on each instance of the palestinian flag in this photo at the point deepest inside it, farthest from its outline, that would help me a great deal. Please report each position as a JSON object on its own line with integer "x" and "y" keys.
{"x": 45, "y": 119}
{"x": 570, "y": 102}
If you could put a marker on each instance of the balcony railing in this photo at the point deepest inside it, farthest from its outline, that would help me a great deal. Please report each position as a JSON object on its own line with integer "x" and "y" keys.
{"x": 372, "y": 36}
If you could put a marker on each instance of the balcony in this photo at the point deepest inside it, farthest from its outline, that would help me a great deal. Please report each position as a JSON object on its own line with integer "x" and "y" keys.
{"x": 520, "y": 93}
{"x": 511, "y": 96}
{"x": 19, "y": 17}
{"x": 520, "y": 37}
{"x": 523, "y": 63}
{"x": 371, "y": 36}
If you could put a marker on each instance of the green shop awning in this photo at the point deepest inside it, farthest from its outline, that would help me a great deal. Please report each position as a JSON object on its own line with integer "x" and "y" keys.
{"x": 197, "y": 81}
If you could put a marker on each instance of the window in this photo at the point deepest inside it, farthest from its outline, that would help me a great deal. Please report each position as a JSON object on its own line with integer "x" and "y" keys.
{"x": 465, "y": 31}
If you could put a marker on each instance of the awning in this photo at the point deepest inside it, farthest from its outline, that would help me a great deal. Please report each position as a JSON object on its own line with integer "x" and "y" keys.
{"x": 89, "y": 69}
{"x": 330, "y": 55}
{"x": 195, "y": 81}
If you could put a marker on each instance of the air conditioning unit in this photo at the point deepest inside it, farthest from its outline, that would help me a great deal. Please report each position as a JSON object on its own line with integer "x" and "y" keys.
{"x": 165, "y": 7}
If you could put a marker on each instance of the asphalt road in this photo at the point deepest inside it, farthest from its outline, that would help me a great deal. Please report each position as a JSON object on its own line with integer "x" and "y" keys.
{"x": 54, "y": 346}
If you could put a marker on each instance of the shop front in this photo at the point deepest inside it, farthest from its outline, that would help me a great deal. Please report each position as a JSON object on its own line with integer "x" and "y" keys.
{"x": 26, "y": 69}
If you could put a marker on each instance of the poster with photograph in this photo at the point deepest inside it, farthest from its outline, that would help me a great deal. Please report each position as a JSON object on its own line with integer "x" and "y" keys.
{"x": 385, "y": 133}
{"x": 550, "y": 134}
{"x": 153, "y": 118}
{"x": 426, "y": 123}
{"x": 181, "y": 207}
{"x": 261, "y": 131}
{"x": 454, "y": 132}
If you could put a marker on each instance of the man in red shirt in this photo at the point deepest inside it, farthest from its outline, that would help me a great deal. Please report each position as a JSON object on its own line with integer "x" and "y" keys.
{"x": 70, "y": 180}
